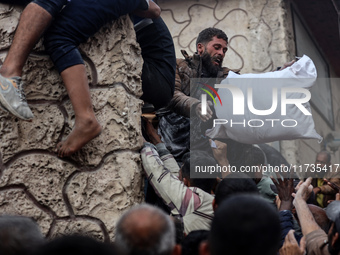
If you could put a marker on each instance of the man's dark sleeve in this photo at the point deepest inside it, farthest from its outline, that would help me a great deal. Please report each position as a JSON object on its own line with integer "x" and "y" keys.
{"x": 287, "y": 223}
{"x": 144, "y": 5}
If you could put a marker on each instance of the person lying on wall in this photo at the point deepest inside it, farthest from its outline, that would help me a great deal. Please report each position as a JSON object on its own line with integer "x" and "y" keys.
{"x": 65, "y": 24}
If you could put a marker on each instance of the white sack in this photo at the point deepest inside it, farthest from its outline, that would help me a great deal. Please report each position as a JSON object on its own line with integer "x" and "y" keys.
{"x": 301, "y": 74}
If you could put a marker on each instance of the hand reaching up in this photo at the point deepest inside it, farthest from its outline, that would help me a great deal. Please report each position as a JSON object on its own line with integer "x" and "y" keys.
{"x": 304, "y": 190}
{"x": 285, "y": 189}
{"x": 152, "y": 132}
{"x": 291, "y": 247}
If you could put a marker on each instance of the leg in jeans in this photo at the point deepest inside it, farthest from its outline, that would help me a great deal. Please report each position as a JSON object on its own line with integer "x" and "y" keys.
{"x": 156, "y": 88}
{"x": 159, "y": 68}
{"x": 33, "y": 22}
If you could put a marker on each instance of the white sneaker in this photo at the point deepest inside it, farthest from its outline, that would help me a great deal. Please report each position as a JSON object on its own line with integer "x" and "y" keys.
{"x": 12, "y": 97}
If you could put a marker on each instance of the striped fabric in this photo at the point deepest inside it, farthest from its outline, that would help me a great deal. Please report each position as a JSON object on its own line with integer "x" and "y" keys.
{"x": 192, "y": 205}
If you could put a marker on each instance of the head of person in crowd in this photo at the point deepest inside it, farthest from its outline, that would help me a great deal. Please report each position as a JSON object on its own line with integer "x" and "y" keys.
{"x": 323, "y": 158}
{"x": 19, "y": 235}
{"x": 192, "y": 241}
{"x": 255, "y": 159}
{"x": 333, "y": 214}
{"x": 234, "y": 183}
{"x": 211, "y": 45}
{"x": 320, "y": 216}
{"x": 244, "y": 224}
{"x": 76, "y": 245}
{"x": 145, "y": 229}
{"x": 201, "y": 159}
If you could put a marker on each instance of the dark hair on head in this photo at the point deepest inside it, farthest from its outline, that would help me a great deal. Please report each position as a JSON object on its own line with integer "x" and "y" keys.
{"x": 234, "y": 183}
{"x": 207, "y": 35}
{"x": 320, "y": 217}
{"x": 192, "y": 241}
{"x": 328, "y": 155}
{"x": 254, "y": 157}
{"x": 245, "y": 224}
{"x": 198, "y": 158}
{"x": 19, "y": 235}
{"x": 77, "y": 244}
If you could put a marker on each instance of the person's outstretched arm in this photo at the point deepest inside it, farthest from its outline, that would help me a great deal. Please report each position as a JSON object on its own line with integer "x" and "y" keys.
{"x": 307, "y": 221}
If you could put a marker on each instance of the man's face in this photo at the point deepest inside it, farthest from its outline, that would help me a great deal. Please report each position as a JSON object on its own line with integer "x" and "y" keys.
{"x": 213, "y": 54}
{"x": 216, "y": 48}
{"x": 321, "y": 160}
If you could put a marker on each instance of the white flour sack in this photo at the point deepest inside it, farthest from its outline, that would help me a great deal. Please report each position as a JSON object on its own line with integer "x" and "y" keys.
{"x": 261, "y": 108}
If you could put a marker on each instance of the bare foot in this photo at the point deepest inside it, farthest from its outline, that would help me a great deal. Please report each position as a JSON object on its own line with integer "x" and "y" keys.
{"x": 82, "y": 133}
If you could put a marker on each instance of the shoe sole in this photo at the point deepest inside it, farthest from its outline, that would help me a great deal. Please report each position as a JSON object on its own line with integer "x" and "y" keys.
{"x": 4, "y": 105}
{"x": 3, "y": 108}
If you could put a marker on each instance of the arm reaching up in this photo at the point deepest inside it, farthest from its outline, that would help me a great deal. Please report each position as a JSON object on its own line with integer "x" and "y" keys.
{"x": 307, "y": 221}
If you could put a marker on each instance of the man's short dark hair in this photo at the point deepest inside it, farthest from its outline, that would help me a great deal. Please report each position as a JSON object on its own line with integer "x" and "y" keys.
{"x": 245, "y": 224}
{"x": 328, "y": 155}
{"x": 76, "y": 245}
{"x": 320, "y": 217}
{"x": 202, "y": 159}
{"x": 254, "y": 157}
{"x": 19, "y": 235}
{"x": 234, "y": 183}
{"x": 192, "y": 241}
{"x": 207, "y": 35}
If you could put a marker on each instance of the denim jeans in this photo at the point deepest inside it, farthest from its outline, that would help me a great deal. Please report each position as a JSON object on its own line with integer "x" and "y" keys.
{"x": 159, "y": 67}
{"x": 52, "y": 6}
{"x": 75, "y": 21}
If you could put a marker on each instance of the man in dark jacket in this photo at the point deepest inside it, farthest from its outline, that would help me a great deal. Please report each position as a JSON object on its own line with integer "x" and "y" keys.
{"x": 206, "y": 63}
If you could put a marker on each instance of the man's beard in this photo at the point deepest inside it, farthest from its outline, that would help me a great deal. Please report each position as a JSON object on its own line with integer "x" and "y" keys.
{"x": 207, "y": 62}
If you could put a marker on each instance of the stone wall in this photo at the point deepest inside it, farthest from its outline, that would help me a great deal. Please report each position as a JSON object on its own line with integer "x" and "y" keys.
{"x": 88, "y": 191}
{"x": 259, "y": 32}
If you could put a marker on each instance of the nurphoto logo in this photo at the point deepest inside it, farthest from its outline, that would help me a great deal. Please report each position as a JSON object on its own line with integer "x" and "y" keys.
{"x": 239, "y": 104}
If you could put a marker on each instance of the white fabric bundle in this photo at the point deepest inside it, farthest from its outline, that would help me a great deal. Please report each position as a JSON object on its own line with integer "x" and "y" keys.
{"x": 261, "y": 108}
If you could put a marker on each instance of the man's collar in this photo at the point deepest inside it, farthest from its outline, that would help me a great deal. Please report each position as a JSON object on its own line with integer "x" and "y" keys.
{"x": 196, "y": 61}
{"x": 185, "y": 54}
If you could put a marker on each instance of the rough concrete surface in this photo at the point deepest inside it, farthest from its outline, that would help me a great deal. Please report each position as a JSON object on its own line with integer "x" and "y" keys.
{"x": 259, "y": 31}
{"x": 87, "y": 192}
